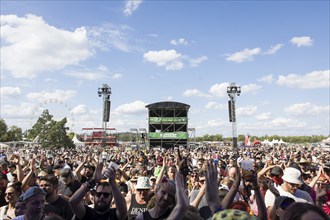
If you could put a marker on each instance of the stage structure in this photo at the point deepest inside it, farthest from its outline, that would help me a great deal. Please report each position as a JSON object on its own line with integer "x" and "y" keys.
{"x": 168, "y": 124}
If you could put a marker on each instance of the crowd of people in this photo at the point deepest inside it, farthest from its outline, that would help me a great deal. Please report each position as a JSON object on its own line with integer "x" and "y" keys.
{"x": 278, "y": 183}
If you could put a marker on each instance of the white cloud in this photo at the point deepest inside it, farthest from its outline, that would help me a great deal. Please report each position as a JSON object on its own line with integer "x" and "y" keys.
{"x": 219, "y": 90}
{"x": 131, "y": 5}
{"x": 244, "y": 55}
{"x": 25, "y": 110}
{"x": 194, "y": 92}
{"x": 307, "y": 109}
{"x": 169, "y": 59}
{"x": 31, "y": 46}
{"x": 268, "y": 79}
{"x": 287, "y": 123}
{"x": 264, "y": 116}
{"x": 110, "y": 36}
{"x": 57, "y": 95}
{"x": 312, "y": 80}
{"x": 87, "y": 74}
{"x": 197, "y": 61}
{"x": 250, "y": 88}
{"x": 79, "y": 109}
{"x": 302, "y": 41}
{"x": 180, "y": 41}
{"x": 247, "y": 110}
{"x": 117, "y": 76}
{"x": 215, "y": 105}
{"x": 10, "y": 91}
{"x": 136, "y": 107}
{"x": 273, "y": 49}
{"x": 51, "y": 80}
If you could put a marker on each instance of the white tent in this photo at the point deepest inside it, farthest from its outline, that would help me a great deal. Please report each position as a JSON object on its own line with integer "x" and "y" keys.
{"x": 77, "y": 142}
{"x": 281, "y": 142}
{"x": 4, "y": 146}
{"x": 326, "y": 141}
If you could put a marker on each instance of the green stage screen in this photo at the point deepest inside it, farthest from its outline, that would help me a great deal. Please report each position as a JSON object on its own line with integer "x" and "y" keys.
{"x": 168, "y": 135}
{"x": 182, "y": 120}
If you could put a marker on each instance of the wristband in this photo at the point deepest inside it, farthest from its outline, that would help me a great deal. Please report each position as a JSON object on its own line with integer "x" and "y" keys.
{"x": 91, "y": 184}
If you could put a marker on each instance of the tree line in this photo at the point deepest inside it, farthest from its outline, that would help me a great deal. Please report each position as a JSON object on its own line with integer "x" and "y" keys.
{"x": 50, "y": 133}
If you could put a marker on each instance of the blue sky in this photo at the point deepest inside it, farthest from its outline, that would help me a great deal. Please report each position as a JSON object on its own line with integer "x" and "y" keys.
{"x": 56, "y": 54}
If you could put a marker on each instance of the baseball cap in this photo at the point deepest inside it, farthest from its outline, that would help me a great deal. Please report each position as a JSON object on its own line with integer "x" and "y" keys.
{"x": 292, "y": 175}
{"x": 33, "y": 191}
{"x": 283, "y": 202}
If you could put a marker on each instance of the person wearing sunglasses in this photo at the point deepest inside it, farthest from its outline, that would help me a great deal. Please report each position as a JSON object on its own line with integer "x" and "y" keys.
{"x": 137, "y": 202}
{"x": 291, "y": 181}
{"x": 106, "y": 190}
{"x": 12, "y": 194}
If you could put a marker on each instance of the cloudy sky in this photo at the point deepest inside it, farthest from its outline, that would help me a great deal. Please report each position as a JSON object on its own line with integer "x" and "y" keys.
{"x": 56, "y": 54}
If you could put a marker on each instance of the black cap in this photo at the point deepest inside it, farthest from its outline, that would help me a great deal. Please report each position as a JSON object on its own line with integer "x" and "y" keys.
{"x": 276, "y": 171}
{"x": 283, "y": 202}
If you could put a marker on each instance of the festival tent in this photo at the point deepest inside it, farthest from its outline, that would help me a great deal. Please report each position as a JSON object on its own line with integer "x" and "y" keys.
{"x": 326, "y": 141}
{"x": 281, "y": 142}
{"x": 4, "y": 146}
{"x": 266, "y": 142}
{"x": 77, "y": 142}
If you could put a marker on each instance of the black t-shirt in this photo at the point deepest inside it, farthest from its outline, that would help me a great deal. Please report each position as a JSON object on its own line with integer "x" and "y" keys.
{"x": 71, "y": 188}
{"x": 60, "y": 207}
{"x": 135, "y": 208}
{"x": 91, "y": 214}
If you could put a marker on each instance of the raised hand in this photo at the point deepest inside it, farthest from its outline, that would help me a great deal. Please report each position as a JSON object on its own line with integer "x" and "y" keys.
{"x": 97, "y": 176}
{"x": 212, "y": 192}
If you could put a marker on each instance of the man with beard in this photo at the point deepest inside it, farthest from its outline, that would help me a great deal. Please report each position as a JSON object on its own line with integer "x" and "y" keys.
{"x": 88, "y": 173}
{"x": 165, "y": 201}
{"x": 55, "y": 204}
{"x": 33, "y": 204}
{"x": 104, "y": 193}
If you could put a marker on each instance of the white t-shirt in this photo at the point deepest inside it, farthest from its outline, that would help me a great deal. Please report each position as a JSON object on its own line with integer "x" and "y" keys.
{"x": 298, "y": 196}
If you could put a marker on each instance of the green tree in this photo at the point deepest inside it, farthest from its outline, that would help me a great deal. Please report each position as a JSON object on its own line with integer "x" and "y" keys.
{"x": 14, "y": 133}
{"x": 3, "y": 130}
{"x": 50, "y": 133}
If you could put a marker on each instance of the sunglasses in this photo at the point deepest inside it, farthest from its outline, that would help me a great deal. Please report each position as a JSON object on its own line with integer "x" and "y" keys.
{"x": 142, "y": 190}
{"x": 99, "y": 194}
{"x": 9, "y": 194}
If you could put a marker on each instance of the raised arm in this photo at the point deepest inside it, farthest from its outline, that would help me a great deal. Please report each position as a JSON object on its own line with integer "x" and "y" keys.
{"x": 212, "y": 191}
{"x": 262, "y": 210}
{"x": 199, "y": 196}
{"x": 161, "y": 173}
{"x": 182, "y": 201}
{"x": 119, "y": 199}
{"x": 229, "y": 198}
{"x": 75, "y": 201}
{"x": 80, "y": 167}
